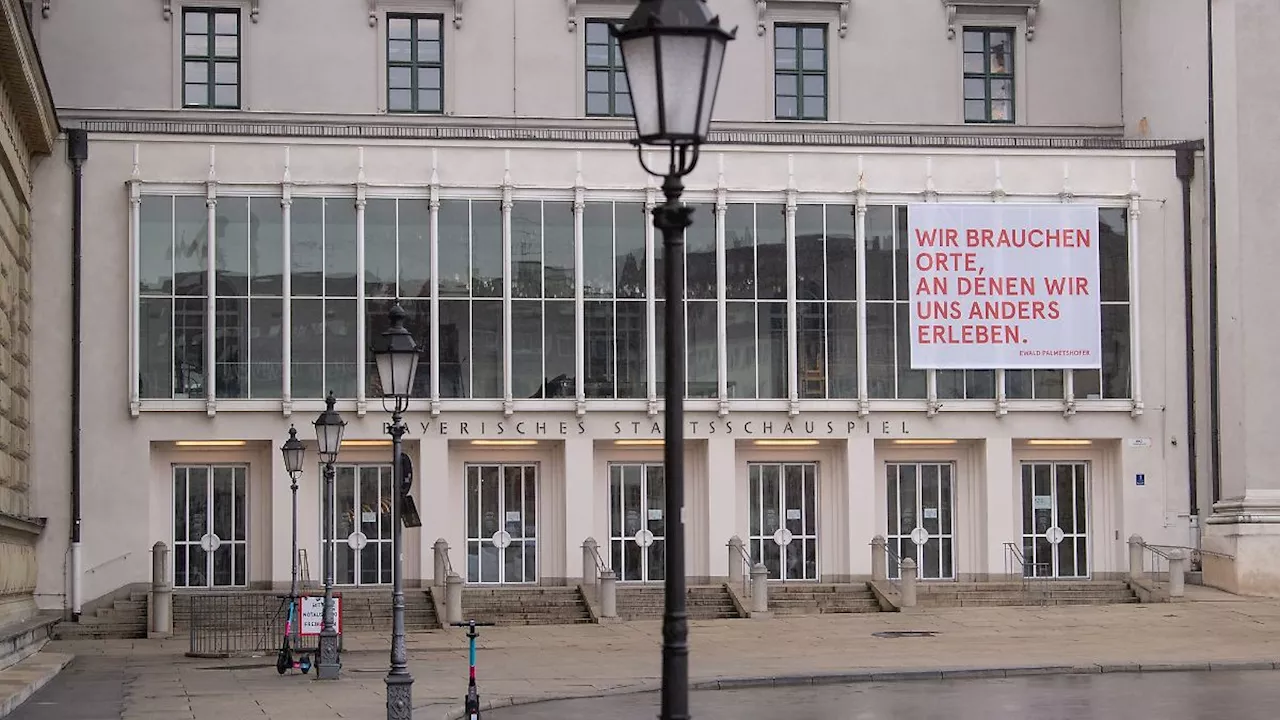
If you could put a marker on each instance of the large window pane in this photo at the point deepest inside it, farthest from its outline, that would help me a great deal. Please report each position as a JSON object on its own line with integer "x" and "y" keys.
{"x": 266, "y": 343}
{"x": 741, "y": 337}
{"x": 597, "y": 249}
{"x": 380, "y": 248}
{"x": 842, "y": 349}
{"x": 598, "y": 318}
{"x": 740, "y": 253}
{"x": 771, "y": 252}
{"x": 190, "y": 246}
{"x": 881, "y": 373}
{"x": 340, "y": 248}
{"x": 811, "y": 349}
{"x": 880, "y": 253}
{"x": 526, "y": 349}
{"x": 703, "y": 348}
{"x": 486, "y": 249}
{"x": 810, "y": 253}
{"x": 630, "y": 222}
{"x": 455, "y": 248}
{"x": 155, "y": 245}
{"x": 306, "y": 345}
{"x": 266, "y": 247}
{"x": 155, "y": 347}
{"x": 455, "y": 348}
{"x": 526, "y": 252}
{"x": 772, "y": 350}
{"x": 632, "y": 349}
{"x": 189, "y": 347}
{"x": 306, "y": 254}
{"x": 557, "y": 244}
{"x": 558, "y": 348}
{"x": 231, "y": 351}
{"x": 842, "y": 254}
{"x": 231, "y": 251}
{"x": 414, "y": 243}
{"x": 340, "y": 347}
{"x": 700, "y": 254}
{"x": 486, "y": 344}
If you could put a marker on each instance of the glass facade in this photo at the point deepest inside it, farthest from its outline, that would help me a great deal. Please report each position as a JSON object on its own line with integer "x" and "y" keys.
{"x": 509, "y": 319}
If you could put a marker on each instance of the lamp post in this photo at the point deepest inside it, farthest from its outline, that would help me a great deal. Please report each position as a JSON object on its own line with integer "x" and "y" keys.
{"x": 673, "y": 51}
{"x": 397, "y": 362}
{"x": 293, "y": 451}
{"x": 329, "y": 427}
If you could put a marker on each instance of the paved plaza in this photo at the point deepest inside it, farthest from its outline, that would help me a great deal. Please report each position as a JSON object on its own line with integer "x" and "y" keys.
{"x": 1247, "y": 695}
{"x": 149, "y": 679}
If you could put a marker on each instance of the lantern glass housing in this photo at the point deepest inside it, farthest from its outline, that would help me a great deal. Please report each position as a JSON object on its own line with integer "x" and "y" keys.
{"x": 329, "y": 429}
{"x": 397, "y": 358}
{"x": 293, "y": 452}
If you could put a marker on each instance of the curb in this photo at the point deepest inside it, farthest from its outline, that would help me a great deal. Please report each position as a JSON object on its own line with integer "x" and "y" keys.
{"x": 47, "y": 671}
{"x": 890, "y": 675}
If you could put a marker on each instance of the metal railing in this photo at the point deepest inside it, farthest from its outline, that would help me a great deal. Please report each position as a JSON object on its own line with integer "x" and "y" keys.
{"x": 1016, "y": 563}
{"x": 601, "y": 567}
{"x": 738, "y": 552}
{"x": 230, "y": 624}
{"x": 893, "y": 568}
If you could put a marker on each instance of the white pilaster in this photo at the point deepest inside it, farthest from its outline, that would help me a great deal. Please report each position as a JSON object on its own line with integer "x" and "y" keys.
{"x": 435, "y": 289}
{"x": 362, "y": 333}
{"x": 508, "y": 407}
{"x": 286, "y": 311}
{"x": 211, "y": 274}
{"x": 793, "y": 354}
{"x": 135, "y": 237}
{"x": 651, "y": 329}
{"x": 282, "y": 520}
{"x": 579, "y": 502}
{"x": 860, "y": 260}
{"x": 441, "y": 500}
{"x": 723, "y": 492}
{"x": 1135, "y": 291}
{"x": 722, "y": 351}
{"x": 862, "y": 500}
{"x": 1002, "y": 505}
{"x": 579, "y": 309}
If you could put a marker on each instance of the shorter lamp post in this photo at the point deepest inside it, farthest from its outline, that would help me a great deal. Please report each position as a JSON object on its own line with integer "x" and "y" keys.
{"x": 397, "y": 362}
{"x": 293, "y": 451}
{"x": 673, "y": 51}
{"x": 329, "y": 428}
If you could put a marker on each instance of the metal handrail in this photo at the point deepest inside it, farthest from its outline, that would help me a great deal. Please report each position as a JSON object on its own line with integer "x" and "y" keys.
{"x": 746, "y": 567}
{"x": 105, "y": 563}
{"x": 1195, "y": 555}
{"x": 601, "y": 567}
{"x": 890, "y": 554}
{"x": 448, "y": 564}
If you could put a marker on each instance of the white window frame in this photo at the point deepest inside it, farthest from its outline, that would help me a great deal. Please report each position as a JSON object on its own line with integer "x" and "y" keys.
{"x": 992, "y": 21}
{"x": 801, "y": 16}
{"x": 248, "y": 16}
{"x": 450, "y": 25}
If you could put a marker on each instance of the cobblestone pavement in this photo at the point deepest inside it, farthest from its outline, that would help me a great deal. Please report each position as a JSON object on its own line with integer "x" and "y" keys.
{"x": 1168, "y": 696}
{"x": 147, "y": 679}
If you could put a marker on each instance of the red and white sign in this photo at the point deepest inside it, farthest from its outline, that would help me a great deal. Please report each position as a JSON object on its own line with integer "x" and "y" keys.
{"x": 313, "y": 615}
{"x": 997, "y": 285}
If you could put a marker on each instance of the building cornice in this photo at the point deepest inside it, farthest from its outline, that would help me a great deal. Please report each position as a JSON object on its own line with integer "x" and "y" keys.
{"x": 24, "y": 79}
{"x": 583, "y": 131}
{"x": 21, "y": 525}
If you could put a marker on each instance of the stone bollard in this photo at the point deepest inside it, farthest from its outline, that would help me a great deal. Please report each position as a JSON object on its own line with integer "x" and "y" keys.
{"x": 759, "y": 589}
{"x": 608, "y": 594}
{"x": 735, "y": 561}
{"x": 1177, "y": 573}
{"x": 590, "y": 568}
{"x": 1135, "y": 557}
{"x": 879, "y": 570}
{"x": 441, "y": 549}
{"x": 453, "y": 599}
{"x": 161, "y": 625}
{"x": 908, "y": 582}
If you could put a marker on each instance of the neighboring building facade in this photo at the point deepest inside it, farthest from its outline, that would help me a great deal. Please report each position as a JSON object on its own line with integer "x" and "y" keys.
{"x": 257, "y": 198}
{"x": 30, "y": 131}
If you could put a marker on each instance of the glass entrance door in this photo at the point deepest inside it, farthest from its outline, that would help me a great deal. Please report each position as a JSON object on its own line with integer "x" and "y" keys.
{"x": 1055, "y": 519}
{"x": 502, "y": 527}
{"x": 209, "y": 521}
{"x": 360, "y": 524}
{"x": 920, "y": 519}
{"x": 784, "y": 519}
{"x": 637, "y": 529}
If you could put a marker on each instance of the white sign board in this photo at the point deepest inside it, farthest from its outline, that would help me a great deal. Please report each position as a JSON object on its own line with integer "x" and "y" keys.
{"x": 1042, "y": 502}
{"x": 996, "y": 285}
{"x": 313, "y": 615}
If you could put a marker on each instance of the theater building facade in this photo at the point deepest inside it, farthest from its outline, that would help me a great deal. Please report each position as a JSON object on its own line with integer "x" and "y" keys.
{"x": 259, "y": 273}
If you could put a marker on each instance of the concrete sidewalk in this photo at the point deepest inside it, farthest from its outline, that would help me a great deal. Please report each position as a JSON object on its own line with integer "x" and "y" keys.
{"x": 520, "y": 664}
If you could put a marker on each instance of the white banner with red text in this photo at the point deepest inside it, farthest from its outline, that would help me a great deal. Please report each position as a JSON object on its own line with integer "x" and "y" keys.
{"x": 996, "y": 285}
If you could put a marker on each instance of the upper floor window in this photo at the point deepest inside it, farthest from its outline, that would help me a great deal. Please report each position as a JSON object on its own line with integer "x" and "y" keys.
{"x": 800, "y": 72}
{"x": 415, "y": 64}
{"x": 211, "y": 58}
{"x": 988, "y": 75}
{"x": 607, "y": 91}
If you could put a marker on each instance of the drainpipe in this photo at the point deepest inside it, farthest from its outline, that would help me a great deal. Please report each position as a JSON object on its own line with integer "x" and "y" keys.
{"x": 1215, "y": 421}
{"x": 77, "y": 153}
{"x": 1185, "y": 169}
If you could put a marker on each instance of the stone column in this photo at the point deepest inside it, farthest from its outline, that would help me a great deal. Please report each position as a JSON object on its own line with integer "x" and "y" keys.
{"x": 1245, "y": 522}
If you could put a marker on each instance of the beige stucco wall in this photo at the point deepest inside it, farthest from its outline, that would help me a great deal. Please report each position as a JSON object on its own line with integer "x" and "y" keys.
{"x": 128, "y": 506}
{"x": 894, "y": 65}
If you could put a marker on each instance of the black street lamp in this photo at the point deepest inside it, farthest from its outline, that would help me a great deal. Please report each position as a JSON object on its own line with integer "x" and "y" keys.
{"x": 673, "y": 51}
{"x": 329, "y": 427}
{"x": 293, "y": 451}
{"x": 397, "y": 362}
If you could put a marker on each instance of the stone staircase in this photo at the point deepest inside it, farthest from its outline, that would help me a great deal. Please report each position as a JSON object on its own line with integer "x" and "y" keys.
{"x": 1036, "y": 592}
{"x": 529, "y": 605}
{"x": 815, "y": 599}
{"x": 645, "y": 602}
{"x": 370, "y": 610}
{"x": 124, "y": 617}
